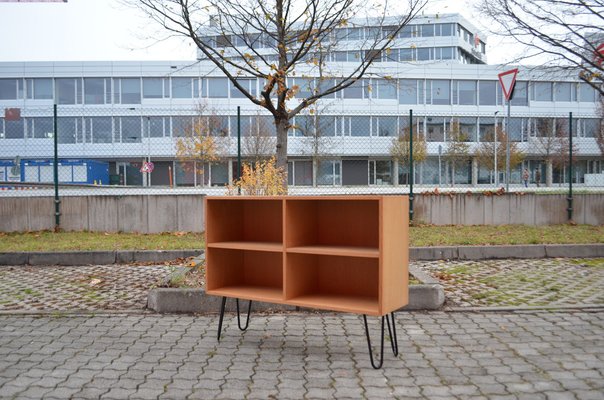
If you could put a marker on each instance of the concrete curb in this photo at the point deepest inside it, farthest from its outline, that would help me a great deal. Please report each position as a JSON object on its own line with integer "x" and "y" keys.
{"x": 427, "y": 296}
{"x": 415, "y": 253}
{"x": 68, "y": 258}
{"x": 177, "y": 301}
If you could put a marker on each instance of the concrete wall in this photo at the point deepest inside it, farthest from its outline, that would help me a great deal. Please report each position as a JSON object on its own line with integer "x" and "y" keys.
{"x": 140, "y": 213}
{"x": 162, "y": 213}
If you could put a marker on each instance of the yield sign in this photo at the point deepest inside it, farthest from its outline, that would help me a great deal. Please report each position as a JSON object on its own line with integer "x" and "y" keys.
{"x": 599, "y": 54}
{"x": 507, "y": 80}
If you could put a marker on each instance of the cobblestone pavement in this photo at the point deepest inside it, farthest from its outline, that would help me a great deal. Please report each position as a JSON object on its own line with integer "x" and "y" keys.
{"x": 88, "y": 288}
{"x": 467, "y": 283}
{"x": 443, "y": 355}
{"x": 538, "y": 282}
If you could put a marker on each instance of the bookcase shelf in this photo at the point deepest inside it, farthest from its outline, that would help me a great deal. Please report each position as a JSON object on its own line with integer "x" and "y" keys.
{"x": 340, "y": 253}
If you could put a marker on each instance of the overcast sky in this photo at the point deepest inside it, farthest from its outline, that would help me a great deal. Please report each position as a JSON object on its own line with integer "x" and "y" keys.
{"x": 84, "y": 30}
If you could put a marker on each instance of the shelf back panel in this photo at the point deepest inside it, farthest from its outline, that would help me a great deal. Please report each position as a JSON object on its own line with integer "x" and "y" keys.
{"x": 227, "y": 267}
{"x": 334, "y": 222}
{"x": 244, "y": 220}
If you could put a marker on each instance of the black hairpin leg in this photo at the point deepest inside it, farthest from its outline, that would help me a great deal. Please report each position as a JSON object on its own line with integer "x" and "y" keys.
{"x": 381, "y": 360}
{"x": 393, "y": 340}
{"x": 221, "y": 317}
{"x": 247, "y": 320}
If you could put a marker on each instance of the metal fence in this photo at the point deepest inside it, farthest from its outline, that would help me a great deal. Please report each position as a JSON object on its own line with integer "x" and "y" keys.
{"x": 138, "y": 149}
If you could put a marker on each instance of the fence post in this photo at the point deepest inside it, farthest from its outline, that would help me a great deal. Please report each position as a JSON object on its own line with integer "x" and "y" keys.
{"x": 56, "y": 171}
{"x": 570, "y": 167}
{"x": 410, "y": 165}
{"x": 239, "y": 146}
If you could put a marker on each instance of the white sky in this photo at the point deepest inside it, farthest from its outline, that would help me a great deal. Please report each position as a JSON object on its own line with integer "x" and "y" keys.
{"x": 106, "y": 30}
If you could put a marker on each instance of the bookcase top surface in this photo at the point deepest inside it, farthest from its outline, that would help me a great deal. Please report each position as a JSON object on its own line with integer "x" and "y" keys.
{"x": 314, "y": 197}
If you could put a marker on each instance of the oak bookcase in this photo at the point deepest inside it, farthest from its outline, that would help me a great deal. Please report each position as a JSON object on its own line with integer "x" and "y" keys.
{"x": 339, "y": 253}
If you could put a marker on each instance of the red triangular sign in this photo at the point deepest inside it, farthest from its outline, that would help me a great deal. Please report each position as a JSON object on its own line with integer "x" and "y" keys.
{"x": 507, "y": 80}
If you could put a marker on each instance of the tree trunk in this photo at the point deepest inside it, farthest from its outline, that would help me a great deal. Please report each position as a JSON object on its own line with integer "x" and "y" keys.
{"x": 548, "y": 173}
{"x": 453, "y": 174}
{"x": 282, "y": 125}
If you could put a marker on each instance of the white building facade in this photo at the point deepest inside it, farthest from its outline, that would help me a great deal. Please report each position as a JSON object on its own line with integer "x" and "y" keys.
{"x": 124, "y": 113}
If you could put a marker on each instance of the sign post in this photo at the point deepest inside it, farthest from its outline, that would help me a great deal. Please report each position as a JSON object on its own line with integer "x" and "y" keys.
{"x": 507, "y": 80}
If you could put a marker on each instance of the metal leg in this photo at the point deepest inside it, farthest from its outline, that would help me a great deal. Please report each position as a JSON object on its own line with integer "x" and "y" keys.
{"x": 392, "y": 334}
{"x": 247, "y": 320}
{"x": 221, "y": 316}
{"x": 381, "y": 360}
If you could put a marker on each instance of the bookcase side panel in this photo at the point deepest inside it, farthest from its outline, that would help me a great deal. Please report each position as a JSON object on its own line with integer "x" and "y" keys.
{"x": 394, "y": 273}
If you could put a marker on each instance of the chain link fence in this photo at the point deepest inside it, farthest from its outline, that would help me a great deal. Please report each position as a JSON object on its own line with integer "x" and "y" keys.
{"x": 138, "y": 150}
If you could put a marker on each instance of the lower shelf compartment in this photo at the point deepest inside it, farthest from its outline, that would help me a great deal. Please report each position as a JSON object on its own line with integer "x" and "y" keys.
{"x": 334, "y": 302}
{"x": 245, "y": 292}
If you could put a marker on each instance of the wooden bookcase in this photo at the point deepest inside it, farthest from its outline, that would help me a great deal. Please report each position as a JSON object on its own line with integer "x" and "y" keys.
{"x": 340, "y": 253}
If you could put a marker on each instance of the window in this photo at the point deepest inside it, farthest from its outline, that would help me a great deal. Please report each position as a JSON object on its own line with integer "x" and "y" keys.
{"x": 385, "y": 126}
{"x": 328, "y": 173}
{"x": 520, "y": 95}
{"x": 467, "y": 126}
{"x": 70, "y": 129}
{"x": 487, "y": 93}
{"x": 156, "y": 126}
{"x": 326, "y": 125}
{"x": 153, "y": 88}
{"x": 406, "y": 54}
{"x": 299, "y": 173}
{"x": 218, "y": 88}
{"x": 408, "y": 31}
{"x": 380, "y": 172}
{"x": 447, "y": 53}
{"x": 355, "y": 91}
{"x": 94, "y": 90}
{"x": 304, "y": 125}
{"x": 384, "y": 89}
{"x": 440, "y": 92}
{"x": 180, "y": 125}
{"x": 360, "y": 126}
{"x": 427, "y": 30}
{"x": 587, "y": 93}
{"x": 182, "y": 88}
{"x": 98, "y": 129}
{"x": 219, "y": 174}
{"x": 128, "y": 129}
{"x": 219, "y": 125}
{"x": 464, "y": 93}
{"x": 305, "y": 87}
{"x": 14, "y": 129}
{"x": 355, "y": 33}
{"x": 408, "y": 90}
{"x": 247, "y": 128}
{"x": 11, "y": 89}
{"x": 68, "y": 90}
{"x": 354, "y": 172}
{"x": 424, "y": 54}
{"x": 248, "y": 84}
{"x": 40, "y": 127}
{"x": 127, "y": 91}
{"x": 542, "y": 91}
{"x": 445, "y": 30}
{"x": 435, "y": 131}
{"x": 564, "y": 91}
{"x": 39, "y": 89}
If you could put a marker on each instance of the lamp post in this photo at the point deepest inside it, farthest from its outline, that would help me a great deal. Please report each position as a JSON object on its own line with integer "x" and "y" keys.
{"x": 496, "y": 177}
{"x": 440, "y": 152}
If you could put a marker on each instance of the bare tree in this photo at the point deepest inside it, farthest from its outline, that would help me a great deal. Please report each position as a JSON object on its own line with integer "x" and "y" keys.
{"x": 485, "y": 153}
{"x": 279, "y": 39}
{"x": 401, "y": 146}
{"x": 202, "y": 141}
{"x": 458, "y": 148}
{"x": 550, "y": 141}
{"x": 600, "y": 130}
{"x": 259, "y": 141}
{"x": 569, "y": 32}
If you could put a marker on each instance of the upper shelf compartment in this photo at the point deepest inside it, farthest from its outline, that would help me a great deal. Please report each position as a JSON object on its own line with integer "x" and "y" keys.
{"x": 249, "y": 220}
{"x": 333, "y": 222}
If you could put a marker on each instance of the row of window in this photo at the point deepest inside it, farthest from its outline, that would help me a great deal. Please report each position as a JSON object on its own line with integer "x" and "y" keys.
{"x": 258, "y": 41}
{"x": 408, "y": 91}
{"x": 435, "y": 129}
